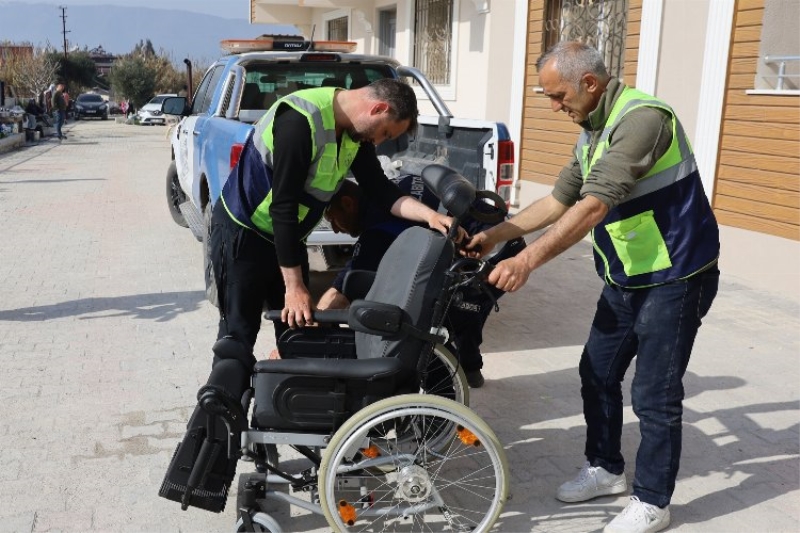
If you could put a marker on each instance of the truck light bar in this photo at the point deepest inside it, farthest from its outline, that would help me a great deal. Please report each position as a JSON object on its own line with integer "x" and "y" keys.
{"x": 287, "y": 44}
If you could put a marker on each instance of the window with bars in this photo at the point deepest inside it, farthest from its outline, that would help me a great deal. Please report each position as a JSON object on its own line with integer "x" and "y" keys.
{"x": 433, "y": 36}
{"x": 600, "y": 23}
{"x": 337, "y": 29}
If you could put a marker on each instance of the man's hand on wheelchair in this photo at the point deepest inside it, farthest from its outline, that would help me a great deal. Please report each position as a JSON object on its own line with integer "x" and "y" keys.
{"x": 442, "y": 223}
{"x": 510, "y": 274}
{"x": 477, "y": 246}
{"x": 297, "y": 307}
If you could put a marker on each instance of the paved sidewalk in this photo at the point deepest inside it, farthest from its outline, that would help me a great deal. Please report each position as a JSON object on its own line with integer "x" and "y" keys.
{"x": 105, "y": 337}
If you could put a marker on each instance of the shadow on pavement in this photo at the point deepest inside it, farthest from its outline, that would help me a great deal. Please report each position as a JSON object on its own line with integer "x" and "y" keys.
{"x": 154, "y": 306}
{"x": 747, "y": 464}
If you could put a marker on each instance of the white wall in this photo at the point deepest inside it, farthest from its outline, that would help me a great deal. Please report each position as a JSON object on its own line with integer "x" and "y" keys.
{"x": 680, "y": 65}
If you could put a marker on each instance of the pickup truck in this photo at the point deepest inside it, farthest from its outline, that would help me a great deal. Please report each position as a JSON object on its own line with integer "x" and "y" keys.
{"x": 238, "y": 89}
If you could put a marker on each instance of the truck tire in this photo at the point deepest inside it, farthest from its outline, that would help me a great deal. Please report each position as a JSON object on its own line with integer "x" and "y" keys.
{"x": 208, "y": 267}
{"x": 175, "y": 196}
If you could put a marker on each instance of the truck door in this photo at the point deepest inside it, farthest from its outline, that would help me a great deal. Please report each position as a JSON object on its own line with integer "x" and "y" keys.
{"x": 201, "y": 112}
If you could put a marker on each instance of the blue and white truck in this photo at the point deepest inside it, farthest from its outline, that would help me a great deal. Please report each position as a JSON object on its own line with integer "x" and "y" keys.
{"x": 238, "y": 89}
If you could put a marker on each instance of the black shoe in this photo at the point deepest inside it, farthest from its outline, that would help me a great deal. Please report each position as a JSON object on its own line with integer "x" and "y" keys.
{"x": 475, "y": 379}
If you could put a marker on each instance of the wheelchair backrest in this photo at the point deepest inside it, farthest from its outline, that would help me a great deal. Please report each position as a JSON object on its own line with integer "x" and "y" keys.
{"x": 410, "y": 276}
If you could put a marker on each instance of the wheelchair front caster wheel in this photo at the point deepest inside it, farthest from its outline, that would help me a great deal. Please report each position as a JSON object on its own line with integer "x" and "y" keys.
{"x": 261, "y": 522}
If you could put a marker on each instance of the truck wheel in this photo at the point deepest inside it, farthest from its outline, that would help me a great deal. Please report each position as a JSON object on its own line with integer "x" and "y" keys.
{"x": 208, "y": 267}
{"x": 175, "y": 196}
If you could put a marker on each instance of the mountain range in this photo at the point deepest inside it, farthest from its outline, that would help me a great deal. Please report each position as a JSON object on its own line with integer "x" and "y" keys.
{"x": 181, "y": 34}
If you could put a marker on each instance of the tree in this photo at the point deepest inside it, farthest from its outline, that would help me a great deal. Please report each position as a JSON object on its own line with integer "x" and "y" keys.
{"x": 32, "y": 75}
{"x": 132, "y": 78}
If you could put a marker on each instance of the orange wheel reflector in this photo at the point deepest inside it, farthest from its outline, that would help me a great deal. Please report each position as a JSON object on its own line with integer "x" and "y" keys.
{"x": 467, "y": 437}
{"x": 370, "y": 453}
{"x": 347, "y": 513}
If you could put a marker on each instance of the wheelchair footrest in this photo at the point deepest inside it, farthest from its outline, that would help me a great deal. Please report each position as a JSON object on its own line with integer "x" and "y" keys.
{"x": 200, "y": 473}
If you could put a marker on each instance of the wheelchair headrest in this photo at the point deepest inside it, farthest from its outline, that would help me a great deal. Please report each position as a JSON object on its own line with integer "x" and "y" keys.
{"x": 458, "y": 195}
{"x": 454, "y": 190}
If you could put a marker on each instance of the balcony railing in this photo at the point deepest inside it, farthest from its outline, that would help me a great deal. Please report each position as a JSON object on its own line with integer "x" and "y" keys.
{"x": 782, "y": 76}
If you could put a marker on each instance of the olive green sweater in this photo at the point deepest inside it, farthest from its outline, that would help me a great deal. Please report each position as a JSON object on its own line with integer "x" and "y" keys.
{"x": 642, "y": 136}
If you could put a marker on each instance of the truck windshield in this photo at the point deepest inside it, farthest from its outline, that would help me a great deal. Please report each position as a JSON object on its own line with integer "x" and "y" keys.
{"x": 265, "y": 83}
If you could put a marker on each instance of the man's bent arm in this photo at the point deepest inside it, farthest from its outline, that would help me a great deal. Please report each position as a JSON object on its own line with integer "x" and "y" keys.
{"x": 511, "y": 274}
{"x": 410, "y": 208}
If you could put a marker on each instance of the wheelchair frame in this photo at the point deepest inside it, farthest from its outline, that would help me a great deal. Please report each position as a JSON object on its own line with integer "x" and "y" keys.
{"x": 406, "y": 462}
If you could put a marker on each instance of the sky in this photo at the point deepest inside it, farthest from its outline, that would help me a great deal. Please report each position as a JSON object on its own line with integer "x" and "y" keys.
{"x": 232, "y": 9}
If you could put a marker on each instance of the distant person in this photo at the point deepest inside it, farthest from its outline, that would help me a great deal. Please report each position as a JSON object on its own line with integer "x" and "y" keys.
{"x": 59, "y": 105}
{"x": 33, "y": 110}
{"x": 184, "y": 91}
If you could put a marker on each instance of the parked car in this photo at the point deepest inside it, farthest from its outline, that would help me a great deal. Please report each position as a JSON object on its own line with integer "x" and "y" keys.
{"x": 150, "y": 113}
{"x": 90, "y": 105}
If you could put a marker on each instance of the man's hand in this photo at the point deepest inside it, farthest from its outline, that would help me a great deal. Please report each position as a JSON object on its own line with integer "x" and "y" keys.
{"x": 443, "y": 223}
{"x": 297, "y": 303}
{"x": 510, "y": 275}
{"x": 478, "y": 245}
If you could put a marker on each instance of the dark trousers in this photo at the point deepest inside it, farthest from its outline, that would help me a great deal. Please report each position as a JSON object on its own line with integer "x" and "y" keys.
{"x": 465, "y": 322}
{"x": 59, "y": 116}
{"x": 247, "y": 274}
{"x": 658, "y": 325}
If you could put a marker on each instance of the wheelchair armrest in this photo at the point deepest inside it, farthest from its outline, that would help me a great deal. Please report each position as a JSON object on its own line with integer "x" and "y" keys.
{"x": 375, "y": 318}
{"x": 327, "y": 316}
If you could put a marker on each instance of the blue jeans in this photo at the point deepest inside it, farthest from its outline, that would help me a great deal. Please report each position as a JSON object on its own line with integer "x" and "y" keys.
{"x": 59, "y": 116}
{"x": 658, "y": 325}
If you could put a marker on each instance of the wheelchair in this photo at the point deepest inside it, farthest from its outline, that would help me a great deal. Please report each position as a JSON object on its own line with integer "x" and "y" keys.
{"x": 377, "y": 410}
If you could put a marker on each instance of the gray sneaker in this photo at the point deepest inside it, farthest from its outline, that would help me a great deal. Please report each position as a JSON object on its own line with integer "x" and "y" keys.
{"x": 639, "y": 517}
{"x": 591, "y": 482}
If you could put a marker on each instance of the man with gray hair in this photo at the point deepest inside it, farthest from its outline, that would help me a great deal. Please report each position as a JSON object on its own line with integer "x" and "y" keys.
{"x": 633, "y": 182}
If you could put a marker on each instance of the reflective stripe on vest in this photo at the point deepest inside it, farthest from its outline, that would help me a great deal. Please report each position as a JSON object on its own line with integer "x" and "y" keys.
{"x": 664, "y": 229}
{"x": 330, "y": 162}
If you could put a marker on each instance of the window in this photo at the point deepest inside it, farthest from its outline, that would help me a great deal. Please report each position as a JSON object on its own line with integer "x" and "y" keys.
{"x": 336, "y": 29}
{"x": 387, "y": 32}
{"x": 778, "y": 67}
{"x": 202, "y": 99}
{"x": 433, "y": 39}
{"x": 600, "y": 23}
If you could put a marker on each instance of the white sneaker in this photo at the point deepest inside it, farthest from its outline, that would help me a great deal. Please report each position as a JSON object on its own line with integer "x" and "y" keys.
{"x": 639, "y": 517}
{"x": 592, "y": 481}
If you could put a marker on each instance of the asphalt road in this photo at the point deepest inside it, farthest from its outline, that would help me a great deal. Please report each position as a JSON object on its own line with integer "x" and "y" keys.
{"x": 105, "y": 337}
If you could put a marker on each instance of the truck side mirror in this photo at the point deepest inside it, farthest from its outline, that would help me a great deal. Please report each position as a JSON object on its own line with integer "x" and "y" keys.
{"x": 175, "y": 105}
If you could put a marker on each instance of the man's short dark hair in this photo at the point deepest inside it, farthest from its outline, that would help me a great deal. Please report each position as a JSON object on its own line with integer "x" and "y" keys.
{"x": 347, "y": 188}
{"x": 401, "y": 99}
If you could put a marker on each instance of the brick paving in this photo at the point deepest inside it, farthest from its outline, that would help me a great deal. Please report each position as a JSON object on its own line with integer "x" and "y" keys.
{"x": 105, "y": 337}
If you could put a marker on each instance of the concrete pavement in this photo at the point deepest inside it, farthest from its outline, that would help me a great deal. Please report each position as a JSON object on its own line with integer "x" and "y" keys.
{"x": 105, "y": 338}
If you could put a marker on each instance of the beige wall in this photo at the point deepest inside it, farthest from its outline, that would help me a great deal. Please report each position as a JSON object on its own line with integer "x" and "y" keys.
{"x": 681, "y": 58}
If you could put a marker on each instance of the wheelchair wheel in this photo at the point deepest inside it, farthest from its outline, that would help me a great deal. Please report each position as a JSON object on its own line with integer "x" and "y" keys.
{"x": 445, "y": 377}
{"x": 261, "y": 522}
{"x": 385, "y": 469}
